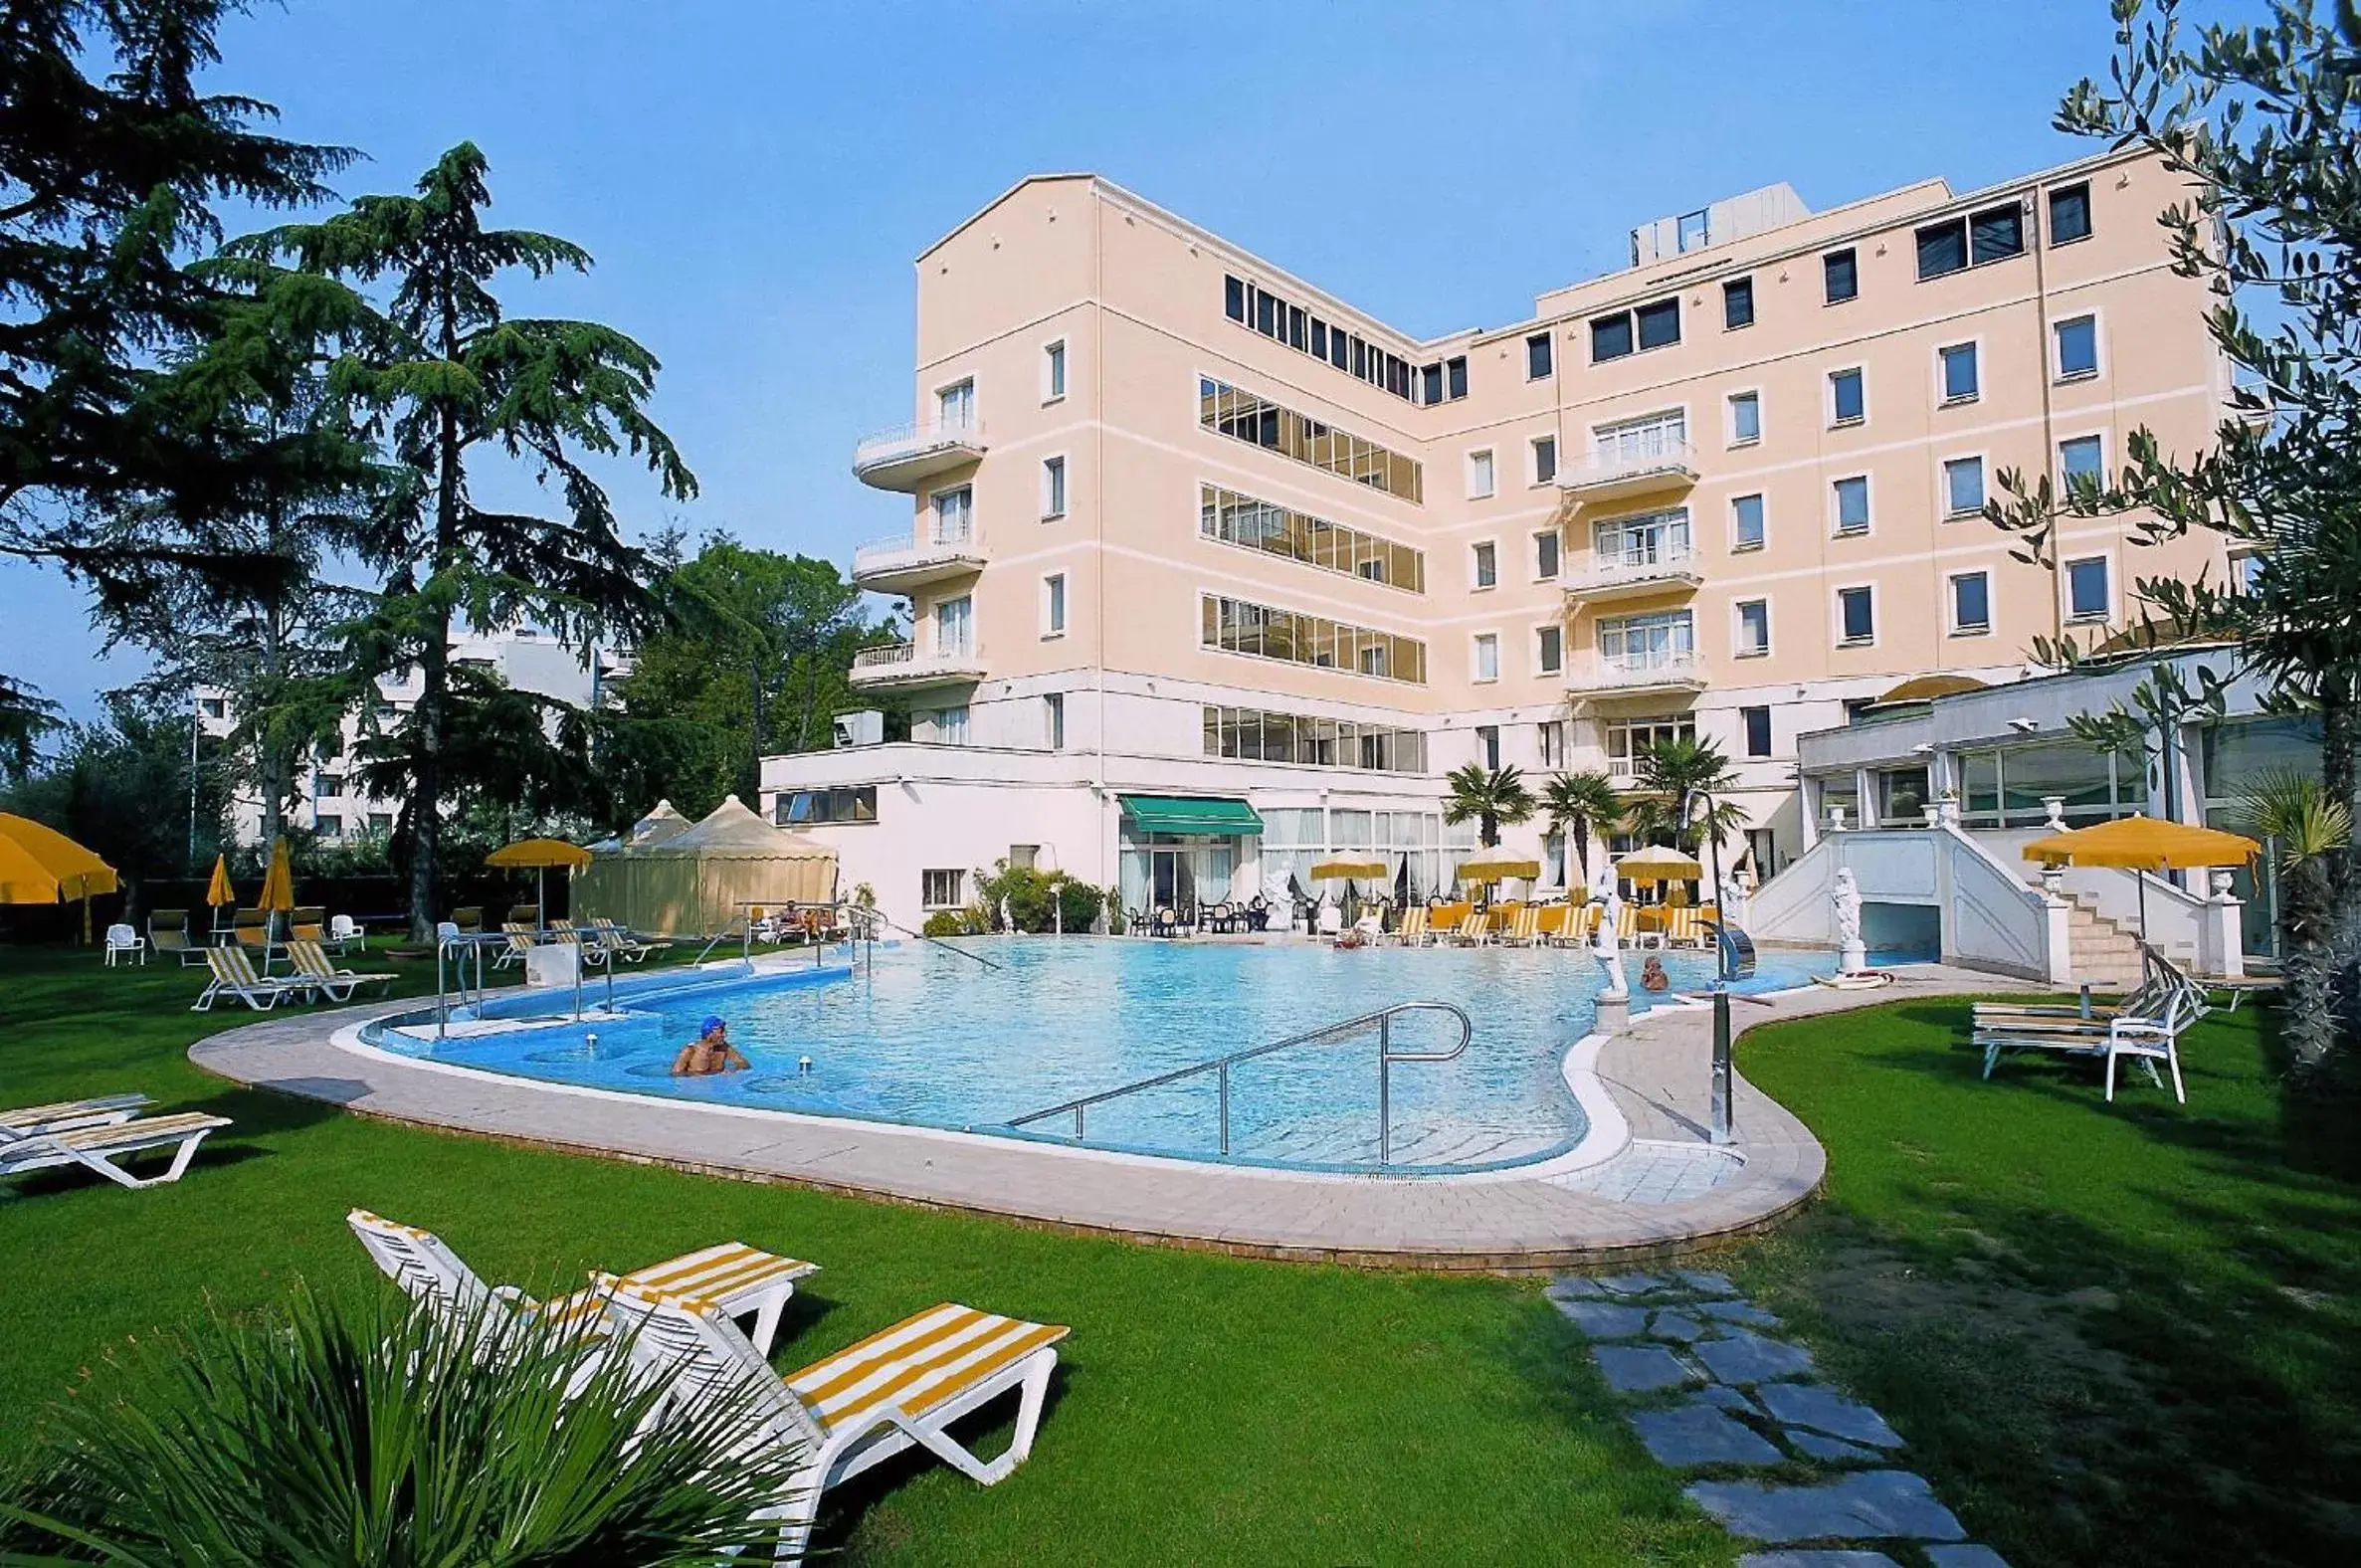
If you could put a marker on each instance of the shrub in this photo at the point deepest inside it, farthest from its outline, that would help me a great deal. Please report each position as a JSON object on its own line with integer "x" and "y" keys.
{"x": 1036, "y": 898}
{"x": 946, "y": 923}
{"x": 358, "y": 1432}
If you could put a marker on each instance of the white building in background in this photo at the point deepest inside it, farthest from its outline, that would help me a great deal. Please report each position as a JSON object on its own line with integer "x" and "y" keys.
{"x": 330, "y": 801}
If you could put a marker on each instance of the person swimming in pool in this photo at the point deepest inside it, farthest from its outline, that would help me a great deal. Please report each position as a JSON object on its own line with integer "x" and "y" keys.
{"x": 1652, "y": 976}
{"x": 710, "y": 1052}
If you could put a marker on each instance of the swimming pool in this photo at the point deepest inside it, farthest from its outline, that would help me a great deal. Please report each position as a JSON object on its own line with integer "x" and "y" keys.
{"x": 929, "y": 1037}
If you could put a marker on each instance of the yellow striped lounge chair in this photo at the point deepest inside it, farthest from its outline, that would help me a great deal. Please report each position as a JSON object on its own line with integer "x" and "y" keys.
{"x": 1627, "y": 925}
{"x": 65, "y": 1115}
{"x": 594, "y": 951}
{"x": 903, "y": 1387}
{"x": 740, "y": 1280}
{"x": 518, "y": 942}
{"x": 233, "y": 975}
{"x": 1524, "y": 927}
{"x": 1684, "y": 927}
{"x": 103, "y": 1148}
{"x": 169, "y": 933}
{"x": 1475, "y": 928}
{"x": 312, "y": 963}
{"x": 1413, "y": 925}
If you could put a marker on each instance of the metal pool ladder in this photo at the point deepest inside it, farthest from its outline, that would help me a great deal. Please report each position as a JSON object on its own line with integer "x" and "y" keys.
{"x": 1382, "y": 1020}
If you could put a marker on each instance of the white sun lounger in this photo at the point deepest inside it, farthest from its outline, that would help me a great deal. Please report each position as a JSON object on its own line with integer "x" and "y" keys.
{"x": 63, "y": 1116}
{"x": 901, "y": 1387}
{"x": 743, "y": 1280}
{"x": 2148, "y": 1030}
{"x": 312, "y": 964}
{"x": 103, "y": 1149}
{"x": 233, "y": 975}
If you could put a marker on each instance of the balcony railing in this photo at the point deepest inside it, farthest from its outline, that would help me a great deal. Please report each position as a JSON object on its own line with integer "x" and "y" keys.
{"x": 903, "y": 561}
{"x": 882, "y": 657}
{"x": 1627, "y": 671}
{"x": 1630, "y": 465}
{"x": 1608, "y": 573}
{"x": 900, "y": 457}
{"x": 907, "y": 665}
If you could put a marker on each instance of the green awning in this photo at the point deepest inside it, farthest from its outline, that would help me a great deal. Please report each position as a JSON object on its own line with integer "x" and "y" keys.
{"x": 1192, "y": 814}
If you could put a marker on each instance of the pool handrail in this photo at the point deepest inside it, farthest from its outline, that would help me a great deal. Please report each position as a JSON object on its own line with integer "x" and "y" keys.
{"x": 1382, "y": 1020}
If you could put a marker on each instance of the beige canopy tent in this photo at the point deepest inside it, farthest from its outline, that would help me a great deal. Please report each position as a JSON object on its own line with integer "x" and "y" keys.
{"x": 679, "y": 882}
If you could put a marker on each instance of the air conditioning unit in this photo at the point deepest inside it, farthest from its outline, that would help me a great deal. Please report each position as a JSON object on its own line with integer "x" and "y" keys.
{"x": 864, "y": 728}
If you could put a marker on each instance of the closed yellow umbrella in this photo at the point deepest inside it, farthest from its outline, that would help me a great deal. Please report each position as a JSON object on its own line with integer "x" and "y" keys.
{"x": 42, "y": 866}
{"x": 278, "y": 883}
{"x": 537, "y": 855}
{"x": 1658, "y": 864}
{"x": 1497, "y": 868}
{"x": 2142, "y": 845}
{"x": 219, "y": 893}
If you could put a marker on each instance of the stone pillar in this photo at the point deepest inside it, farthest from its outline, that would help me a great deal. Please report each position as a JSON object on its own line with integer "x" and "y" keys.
{"x": 2221, "y": 932}
{"x": 2057, "y": 935}
{"x": 1613, "y": 1013}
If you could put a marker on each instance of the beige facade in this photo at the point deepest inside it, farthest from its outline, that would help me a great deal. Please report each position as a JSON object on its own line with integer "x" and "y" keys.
{"x": 1713, "y": 490}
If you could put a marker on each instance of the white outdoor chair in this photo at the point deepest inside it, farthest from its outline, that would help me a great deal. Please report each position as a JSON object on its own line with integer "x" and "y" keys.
{"x": 344, "y": 932}
{"x": 122, "y": 939}
{"x": 899, "y": 1389}
{"x": 104, "y": 1147}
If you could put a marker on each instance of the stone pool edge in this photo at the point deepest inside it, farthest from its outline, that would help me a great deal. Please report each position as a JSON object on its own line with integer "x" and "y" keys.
{"x": 1518, "y": 1220}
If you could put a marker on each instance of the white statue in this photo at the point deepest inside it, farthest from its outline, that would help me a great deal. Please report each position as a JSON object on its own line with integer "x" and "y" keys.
{"x": 1606, "y": 943}
{"x": 1008, "y": 920}
{"x": 1851, "y": 957}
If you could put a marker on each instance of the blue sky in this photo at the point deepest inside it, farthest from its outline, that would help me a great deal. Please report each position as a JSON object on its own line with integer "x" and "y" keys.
{"x": 755, "y": 179}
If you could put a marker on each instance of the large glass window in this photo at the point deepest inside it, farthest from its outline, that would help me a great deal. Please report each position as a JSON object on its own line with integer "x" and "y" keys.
{"x": 1629, "y": 739}
{"x": 1256, "y": 421}
{"x": 1308, "y": 333}
{"x": 1902, "y": 796}
{"x": 1648, "y": 642}
{"x": 1256, "y": 735}
{"x": 1610, "y": 336}
{"x": 1660, "y": 324}
{"x": 845, "y": 803}
{"x": 1993, "y": 235}
{"x": 2083, "y": 777}
{"x": 1655, "y": 324}
{"x": 1260, "y": 631}
{"x": 1252, "y": 525}
{"x": 1652, "y": 538}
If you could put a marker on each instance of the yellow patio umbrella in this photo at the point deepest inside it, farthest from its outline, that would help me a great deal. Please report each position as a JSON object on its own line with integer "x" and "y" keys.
{"x": 218, "y": 893}
{"x": 537, "y": 855}
{"x": 39, "y": 864}
{"x": 1659, "y": 862}
{"x": 1347, "y": 869}
{"x": 2142, "y": 845}
{"x": 1497, "y": 868}
{"x": 278, "y": 883}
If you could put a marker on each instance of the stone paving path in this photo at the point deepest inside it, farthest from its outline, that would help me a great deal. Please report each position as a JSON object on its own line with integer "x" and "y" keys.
{"x": 1779, "y": 1458}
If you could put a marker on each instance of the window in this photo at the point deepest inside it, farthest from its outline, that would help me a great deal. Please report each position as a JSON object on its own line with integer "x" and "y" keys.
{"x": 2081, "y": 462}
{"x": 1738, "y": 304}
{"x": 1261, "y": 630}
{"x": 1653, "y": 441}
{"x": 381, "y": 822}
{"x": 1856, "y": 616}
{"x": 1550, "y": 736}
{"x": 1971, "y": 604}
{"x": 955, "y": 406}
{"x": 1545, "y": 555}
{"x": 1235, "y": 518}
{"x": 1537, "y": 364}
{"x": 1629, "y": 739}
{"x": 1958, "y": 363}
{"x": 1754, "y": 628}
{"x": 1053, "y": 488}
{"x": 1549, "y": 654}
{"x": 1293, "y": 326}
{"x": 1842, "y": 275}
{"x": 2086, "y": 588}
{"x": 954, "y": 515}
{"x": 950, "y": 725}
{"x": 1665, "y": 640}
{"x": 1483, "y": 567}
{"x": 1955, "y": 243}
{"x": 1256, "y": 421}
{"x": 1052, "y": 605}
{"x": 1257, "y": 736}
{"x": 1660, "y": 324}
{"x": 2077, "y": 348}
{"x": 1746, "y": 522}
{"x": 1488, "y": 659}
{"x": 940, "y": 889}
{"x": 1053, "y": 372}
{"x": 1853, "y": 505}
{"x": 1756, "y": 722}
{"x": 1234, "y": 299}
{"x": 331, "y": 784}
{"x": 1963, "y": 486}
{"x": 1052, "y": 720}
{"x": 212, "y": 706}
{"x": 1429, "y": 381}
{"x": 1847, "y": 403}
{"x": 2070, "y": 214}
{"x": 844, "y": 803}
{"x": 1610, "y": 338}
{"x": 1487, "y": 744}
{"x": 1654, "y": 539}
{"x": 1455, "y": 376}
{"x": 1479, "y": 474}
{"x": 1546, "y": 459}
{"x": 954, "y": 627}
{"x": 327, "y": 823}
{"x": 1746, "y": 418}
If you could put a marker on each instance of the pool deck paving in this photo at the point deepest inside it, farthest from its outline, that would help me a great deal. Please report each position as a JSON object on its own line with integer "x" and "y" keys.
{"x": 1648, "y": 1184}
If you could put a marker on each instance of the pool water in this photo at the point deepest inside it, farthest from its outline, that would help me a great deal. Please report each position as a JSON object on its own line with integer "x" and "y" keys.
{"x": 929, "y": 1037}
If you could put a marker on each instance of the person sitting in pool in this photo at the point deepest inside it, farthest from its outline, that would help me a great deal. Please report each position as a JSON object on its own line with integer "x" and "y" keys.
{"x": 710, "y": 1052}
{"x": 1652, "y": 976}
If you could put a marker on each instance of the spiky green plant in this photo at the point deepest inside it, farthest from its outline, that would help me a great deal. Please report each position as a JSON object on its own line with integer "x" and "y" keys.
{"x": 354, "y": 1432}
{"x": 2307, "y": 828}
{"x": 1489, "y": 796}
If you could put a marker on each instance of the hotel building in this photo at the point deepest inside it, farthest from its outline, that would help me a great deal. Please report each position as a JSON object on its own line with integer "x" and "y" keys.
{"x": 1212, "y": 575}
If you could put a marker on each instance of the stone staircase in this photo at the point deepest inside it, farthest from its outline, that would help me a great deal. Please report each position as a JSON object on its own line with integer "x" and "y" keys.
{"x": 2104, "y": 955}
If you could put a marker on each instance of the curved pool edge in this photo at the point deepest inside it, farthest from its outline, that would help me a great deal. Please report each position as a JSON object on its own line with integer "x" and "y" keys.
{"x": 1639, "y": 1088}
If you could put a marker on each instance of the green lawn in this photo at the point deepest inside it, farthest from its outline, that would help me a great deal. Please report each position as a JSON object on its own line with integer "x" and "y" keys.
{"x": 2110, "y": 1335}
{"x": 1207, "y": 1410}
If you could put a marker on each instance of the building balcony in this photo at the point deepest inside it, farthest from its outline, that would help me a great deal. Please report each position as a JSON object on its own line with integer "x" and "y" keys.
{"x": 1631, "y": 469}
{"x": 1634, "y": 675}
{"x": 907, "y": 456}
{"x": 902, "y": 667}
{"x": 1606, "y": 579}
{"x": 902, "y": 562}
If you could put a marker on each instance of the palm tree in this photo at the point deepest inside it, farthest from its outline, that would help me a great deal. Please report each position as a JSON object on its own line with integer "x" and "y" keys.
{"x": 1574, "y": 804}
{"x": 1491, "y": 797}
{"x": 1681, "y": 779}
{"x": 2309, "y": 827}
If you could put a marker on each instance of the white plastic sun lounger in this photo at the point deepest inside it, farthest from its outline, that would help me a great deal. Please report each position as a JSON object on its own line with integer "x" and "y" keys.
{"x": 233, "y": 975}
{"x": 2148, "y": 1036}
{"x": 312, "y": 965}
{"x": 103, "y": 1149}
{"x": 743, "y": 1280}
{"x": 65, "y": 1115}
{"x": 899, "y": 1389}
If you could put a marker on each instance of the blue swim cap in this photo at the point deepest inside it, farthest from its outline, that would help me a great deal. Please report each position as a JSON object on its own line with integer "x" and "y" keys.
{"x": 711, "y": 1024}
